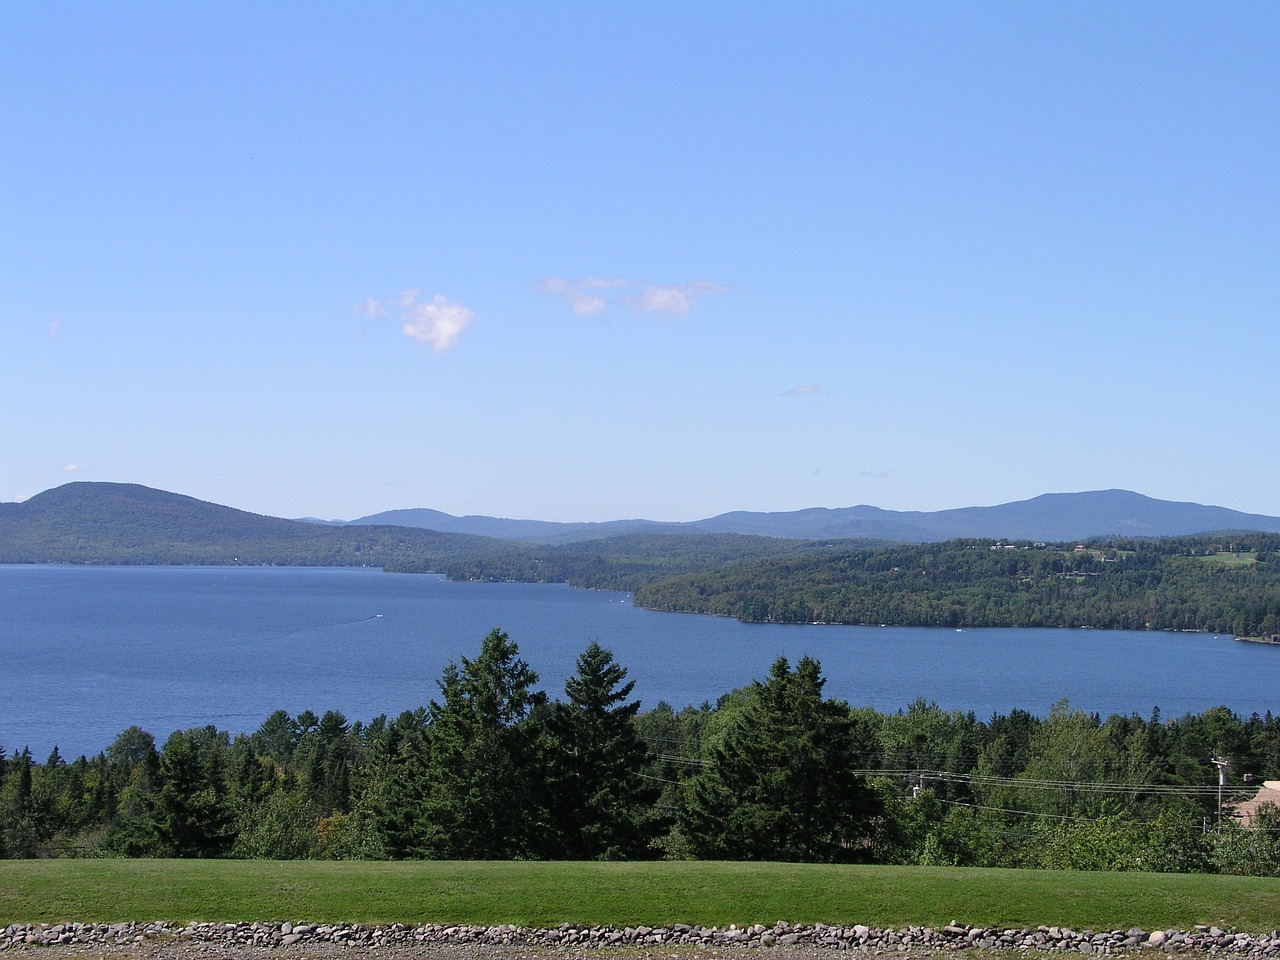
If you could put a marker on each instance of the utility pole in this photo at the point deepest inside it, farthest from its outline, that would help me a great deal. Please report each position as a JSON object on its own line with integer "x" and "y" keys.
{"x": 1222, "y": 782}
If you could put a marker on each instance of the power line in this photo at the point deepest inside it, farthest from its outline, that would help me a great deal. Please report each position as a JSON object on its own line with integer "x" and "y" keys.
{"x": 1032, "y": 783}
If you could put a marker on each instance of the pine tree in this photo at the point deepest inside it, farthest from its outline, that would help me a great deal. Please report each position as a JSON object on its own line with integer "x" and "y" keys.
{"x": 19, "y": 833}
{"x": 781, "y": 784}
{"x": 600, "y": 806}
{"x": 392, "y": 784}
{"x": 480, "y": 801}
{"x": 189, "y": 813}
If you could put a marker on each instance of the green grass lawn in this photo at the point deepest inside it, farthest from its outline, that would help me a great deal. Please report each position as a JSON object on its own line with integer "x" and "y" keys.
{"x": 1232, "y": 559}
{"x": 545, "y": 894}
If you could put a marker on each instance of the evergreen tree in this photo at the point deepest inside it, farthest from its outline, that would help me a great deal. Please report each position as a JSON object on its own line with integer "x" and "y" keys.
{"x": 132, "y": 769}
{"x": 189, "y": 813}
{"x": 325, "y": 763}
{"x": 480, "y": 801}
{"x": 600, "y": 806}
{"x": 19, "y": 833}
{"x": 391, "y": 787}
{"x": 277, "y": 738}
{"x": 780, "y": 784}
{"x": 4, "y": 769}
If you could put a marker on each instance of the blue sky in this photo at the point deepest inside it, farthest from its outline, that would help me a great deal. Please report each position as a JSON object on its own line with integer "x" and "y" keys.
{"x": 591, "y": 261}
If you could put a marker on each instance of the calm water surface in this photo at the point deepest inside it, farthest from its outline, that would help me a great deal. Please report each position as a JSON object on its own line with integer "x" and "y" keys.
{"x": 87, "y": 651}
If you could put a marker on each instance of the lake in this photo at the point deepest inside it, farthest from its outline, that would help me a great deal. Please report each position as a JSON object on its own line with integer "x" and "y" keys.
{"x": 87, "y": 651}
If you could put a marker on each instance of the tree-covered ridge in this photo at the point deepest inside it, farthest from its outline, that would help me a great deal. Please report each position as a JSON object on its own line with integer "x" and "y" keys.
{"x": 629, "y": 563}
{"x": 1222, "y": 583}
{"x": 1125, "y": 583}
{"x": 109, "y": 523}
{"x": 492, "y": 769}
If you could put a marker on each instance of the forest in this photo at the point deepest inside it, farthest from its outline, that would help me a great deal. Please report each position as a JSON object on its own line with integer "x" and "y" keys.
{"x": 492, "y": 768}
{"x": 1227, "y": 583}
{"x": 1220, "y": 583}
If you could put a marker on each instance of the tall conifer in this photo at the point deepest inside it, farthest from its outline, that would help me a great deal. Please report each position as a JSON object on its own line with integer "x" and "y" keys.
{"x": 600, "y": 805}
{"x": 781, "y": 784}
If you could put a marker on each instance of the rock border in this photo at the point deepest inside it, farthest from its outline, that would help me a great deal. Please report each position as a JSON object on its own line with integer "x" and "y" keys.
{"x": 953, "y": 937}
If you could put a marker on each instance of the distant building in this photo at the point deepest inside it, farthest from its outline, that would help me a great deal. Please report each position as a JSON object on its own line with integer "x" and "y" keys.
{"x": 1268, "y": 795}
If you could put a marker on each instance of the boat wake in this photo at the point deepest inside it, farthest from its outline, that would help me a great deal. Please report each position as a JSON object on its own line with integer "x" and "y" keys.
{"x": 330, "y": 626}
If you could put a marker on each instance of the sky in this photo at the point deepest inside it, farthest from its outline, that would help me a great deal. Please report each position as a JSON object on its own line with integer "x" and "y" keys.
{"x": 585, "y": 261}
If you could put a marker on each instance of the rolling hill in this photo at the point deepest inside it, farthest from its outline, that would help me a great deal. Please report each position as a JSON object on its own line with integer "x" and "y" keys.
{"x": 1052, "y": 517}
{"x": 126, "y": 523}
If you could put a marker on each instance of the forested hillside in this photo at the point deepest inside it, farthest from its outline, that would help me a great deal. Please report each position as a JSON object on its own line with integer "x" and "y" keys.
{"x": 632, "y": 562}
{"x": 1224, "y": 584}
{"x": 492, "y": 769}
{"x": 121, "y": 523}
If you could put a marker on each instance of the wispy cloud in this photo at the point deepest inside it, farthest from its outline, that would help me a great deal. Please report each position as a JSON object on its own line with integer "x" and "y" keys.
{"x": 437, "y": 323}
{"x": 807, "y": 390}
{"x": 371, "y": 307}
{"x": 594, "y": 295}
{"x": 55, "y": 328}
{"x": 878, "y": 475}
{"x": 71, "y": 468}
{"x": 675, "y": 299}
{"x": 585, "y": 297}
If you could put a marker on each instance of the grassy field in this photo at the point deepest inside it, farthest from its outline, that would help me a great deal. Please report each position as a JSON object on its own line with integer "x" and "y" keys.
{"x": 1232, "y": 559}
{"x": 545, "y": 894}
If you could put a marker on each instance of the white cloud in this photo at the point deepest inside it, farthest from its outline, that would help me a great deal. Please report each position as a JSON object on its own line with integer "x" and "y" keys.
{"x": 805, "y": 390}
{"x": 593, "y": 295}
{"x": 675, "y": 298}
{"x": 438, "y": 323}
{"x": 878, "y": 475}
{"x": 55, "y": 328}
{"x": 583, "y": 296}
{"x": 71, "y": 468}
{"x": 371, "y": 307}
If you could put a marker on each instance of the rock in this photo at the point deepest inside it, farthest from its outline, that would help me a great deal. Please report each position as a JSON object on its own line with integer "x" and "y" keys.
{"x": 196, "y": 940}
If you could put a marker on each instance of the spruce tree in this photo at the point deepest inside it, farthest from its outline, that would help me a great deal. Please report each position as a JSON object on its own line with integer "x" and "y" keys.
{"x": 782, "y": 784}
{"x": 189, "y": 813}
{"x": 600, "y": 805}
{"x": 481, "y": 802}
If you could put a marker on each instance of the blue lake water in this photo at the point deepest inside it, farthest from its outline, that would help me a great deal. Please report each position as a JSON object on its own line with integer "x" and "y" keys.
{"x": 87, "y": 651}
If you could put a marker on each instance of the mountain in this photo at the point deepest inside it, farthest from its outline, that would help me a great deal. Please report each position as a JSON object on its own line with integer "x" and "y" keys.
{"x": 531, "y": 531}
{"x": 125, "y": 523}
{"x": 128, "y": 523}
{"x": 1051, "y": 517}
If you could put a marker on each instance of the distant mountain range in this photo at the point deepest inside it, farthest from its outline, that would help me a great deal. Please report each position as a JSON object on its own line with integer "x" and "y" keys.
{"x": 1052, "y": 517}
{"x": 128, "y": 523}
